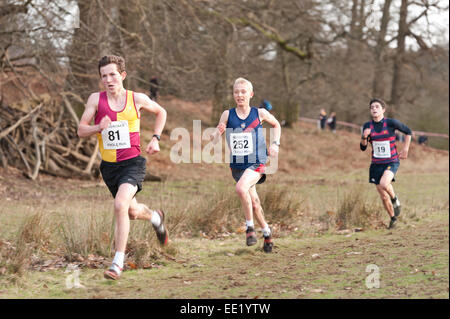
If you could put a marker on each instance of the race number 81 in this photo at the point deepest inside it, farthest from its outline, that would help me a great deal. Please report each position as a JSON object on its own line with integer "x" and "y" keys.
{"x": 116, "y": 136}
{"x": 111, "y": 136}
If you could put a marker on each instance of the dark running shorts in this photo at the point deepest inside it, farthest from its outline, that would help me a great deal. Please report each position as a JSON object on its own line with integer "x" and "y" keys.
{"x": 131, "y": 171}
{"x": 260, "y": 168}
{"x": 376, "y": 171}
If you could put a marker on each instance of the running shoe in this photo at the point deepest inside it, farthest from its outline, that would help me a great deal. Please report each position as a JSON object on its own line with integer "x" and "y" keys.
{"x": 396, "y": 205}
{"x": 161, "y": 231}
{"x": 268, "y": 244}
{"x": 251, "y": 236}
{"x": 392, "y": 222}
{"x": 112, "y": 272}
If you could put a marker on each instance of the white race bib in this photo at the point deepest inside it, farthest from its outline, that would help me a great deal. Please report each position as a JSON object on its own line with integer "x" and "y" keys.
{"x": 381, "y": 149}
{"x": 116, "y": 136}
{"x": 241, "y": 144}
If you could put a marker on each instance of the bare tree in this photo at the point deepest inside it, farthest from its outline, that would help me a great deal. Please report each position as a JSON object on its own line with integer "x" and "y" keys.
{"x": 399, "y": 57}
{"x": 378, "y": 80}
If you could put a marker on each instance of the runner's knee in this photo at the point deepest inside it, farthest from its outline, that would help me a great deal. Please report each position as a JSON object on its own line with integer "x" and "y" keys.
{"x": 384, "y": 185}
{"x": 383, "y": 194}
{"x": 120, "y": 206}
{"x": 256, "y": 203}
{"x": 381, "y": 190}
{"x": 241, "y": 190}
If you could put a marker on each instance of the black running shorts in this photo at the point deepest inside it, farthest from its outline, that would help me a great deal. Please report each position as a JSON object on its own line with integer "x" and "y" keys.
{"x": 376, "y": 171}
{"x": 131, "y": 171}
{"x": 260, "y": 168}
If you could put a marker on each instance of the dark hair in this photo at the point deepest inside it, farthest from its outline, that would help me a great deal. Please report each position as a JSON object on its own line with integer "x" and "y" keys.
{"x": 383, "y": 104}
{"x": 108, "y": 59}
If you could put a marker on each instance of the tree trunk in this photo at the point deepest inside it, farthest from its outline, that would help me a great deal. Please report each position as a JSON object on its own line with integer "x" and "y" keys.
{"x": 353, "y": 31}
{"x": 129, "y": 17}
{"x": 94, "y": 38}
{"x": 290, "y": 106}
{"x": 378, "y": 84}
{"x": 398, "y": 60}
{"x": 222, "y": 95}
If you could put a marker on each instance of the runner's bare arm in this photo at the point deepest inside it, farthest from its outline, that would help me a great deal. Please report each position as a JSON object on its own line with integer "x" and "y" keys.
{"x": 142, "y": 101}
{"x": 266, "y": 116}
{"x": 85, "y": 129}
{"x": 221, "y": 127}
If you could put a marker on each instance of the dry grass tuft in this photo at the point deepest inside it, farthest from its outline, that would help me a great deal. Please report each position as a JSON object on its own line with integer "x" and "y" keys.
{"x": 356, "y": 211}
{"x": 33, "y": 235}
{"x": 221, "y": 212}
{"x": 218, "y": 213}
{"x": 86, "y": 233}
{"x": 280, "y": 204}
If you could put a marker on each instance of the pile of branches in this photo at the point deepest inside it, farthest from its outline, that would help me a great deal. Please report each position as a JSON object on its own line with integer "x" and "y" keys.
{"x": 44, "y": 139}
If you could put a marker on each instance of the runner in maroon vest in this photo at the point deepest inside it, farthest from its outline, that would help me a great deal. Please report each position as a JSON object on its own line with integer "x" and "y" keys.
{"x": 380, "y": 132}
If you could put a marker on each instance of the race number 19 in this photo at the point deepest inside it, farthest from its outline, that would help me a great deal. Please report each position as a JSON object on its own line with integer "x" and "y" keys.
{"x": 381, "y": 149}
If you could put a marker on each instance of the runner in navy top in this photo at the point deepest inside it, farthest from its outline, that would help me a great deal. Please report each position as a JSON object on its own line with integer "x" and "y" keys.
{"x": 246, "y": 140}
{"x": 248, "y": 154}
{"x": 380, "y": 132}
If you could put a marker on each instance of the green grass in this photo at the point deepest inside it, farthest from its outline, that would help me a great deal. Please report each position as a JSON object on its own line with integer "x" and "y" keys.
{"x": 231, "y": 270}
{"x": 413, "y": 259}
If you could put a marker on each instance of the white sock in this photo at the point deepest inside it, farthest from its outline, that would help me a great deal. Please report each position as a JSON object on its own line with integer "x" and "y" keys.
{"x": 156, "y": 219}
{"x": 249, "y": 223}
{"x": 266, "y": 231}
{"x": 118, "y": 260}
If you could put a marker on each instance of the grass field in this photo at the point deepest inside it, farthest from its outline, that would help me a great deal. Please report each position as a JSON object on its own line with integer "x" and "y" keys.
{"x": 49, "y": 227}
{"x": 332, "y": 266}
{"x": 328, "y": 222}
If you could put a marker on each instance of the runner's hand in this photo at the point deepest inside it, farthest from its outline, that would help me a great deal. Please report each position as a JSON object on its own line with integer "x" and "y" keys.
{"x": 403, "y": 154}
{"x": 221, "y": 127}
{"x": 218, "y": 132}
{"x": 104, "y": 122}
{"x": 152, "y": 147}
{"x": 366, "y": 133}
{"x": 273, "y": 150}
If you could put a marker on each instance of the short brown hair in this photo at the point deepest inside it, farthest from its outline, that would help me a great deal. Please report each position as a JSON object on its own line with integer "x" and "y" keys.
{"x": 115, "y": 59}
{"x": 383, "y": 104}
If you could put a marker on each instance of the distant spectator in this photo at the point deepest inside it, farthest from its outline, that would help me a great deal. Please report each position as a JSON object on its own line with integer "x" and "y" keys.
{"x": 331, "y": 121}
{"x": 423, "y": 139}
{"x": 154, "y": 88}
{"x": 266, "y": 105}
{"x": 322, "y": 119}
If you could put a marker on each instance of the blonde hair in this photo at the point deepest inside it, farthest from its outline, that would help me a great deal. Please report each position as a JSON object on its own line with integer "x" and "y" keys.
{"x": 242, "y": 80}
